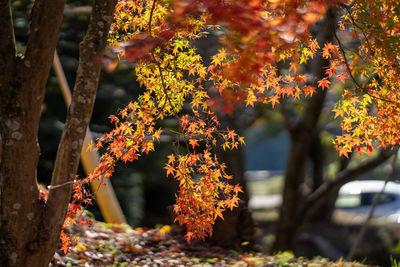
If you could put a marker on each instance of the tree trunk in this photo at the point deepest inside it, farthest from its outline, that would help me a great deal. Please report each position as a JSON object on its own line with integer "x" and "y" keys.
{"x": 30, "y": 228}
{"x": 301, "y": 137}
{"x": 21, "y": 96}
{"x": 324, "y": 212}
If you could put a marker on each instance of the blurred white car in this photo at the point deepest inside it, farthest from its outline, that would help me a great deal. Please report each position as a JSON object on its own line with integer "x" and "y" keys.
{"x": 358, "y": 197}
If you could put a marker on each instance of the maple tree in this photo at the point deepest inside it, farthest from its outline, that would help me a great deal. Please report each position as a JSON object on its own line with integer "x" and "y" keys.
{"x": 165, "y": 61}
{"x": 156, "y": 38}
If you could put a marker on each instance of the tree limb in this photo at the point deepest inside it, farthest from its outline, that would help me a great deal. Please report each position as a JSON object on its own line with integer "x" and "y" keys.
{"x": 78, "y": 118}
{"x": 45, "y": 22}
{"x": 342, "y": 178}
{"x": 22, "y": 86}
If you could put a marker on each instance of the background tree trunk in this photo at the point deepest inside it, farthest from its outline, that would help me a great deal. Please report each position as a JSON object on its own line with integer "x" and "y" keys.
{"x": 301, "y": 138}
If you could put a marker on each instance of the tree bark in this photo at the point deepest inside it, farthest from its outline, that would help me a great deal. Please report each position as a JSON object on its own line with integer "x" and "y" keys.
{"x": 21, "y": 96}
{"x": 78, "y": 118}
{"x": 301, "y": 137}
{"x": 30, "y": 228}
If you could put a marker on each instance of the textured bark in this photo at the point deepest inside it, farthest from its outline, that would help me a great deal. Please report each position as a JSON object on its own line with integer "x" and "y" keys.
{"x": 7, "y": 44}
{"x": 30, "y": 228}
{"x": 301, "y": 137}
{"x": 78, "y": 118}
{"x": 21, "y": 97}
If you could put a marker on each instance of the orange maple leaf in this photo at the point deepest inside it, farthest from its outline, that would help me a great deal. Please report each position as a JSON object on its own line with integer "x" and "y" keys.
{"x": 309, "y": 90}
{"x": 342, "y": 77}
{"x": 171, "y": 159}
{"x": 193, "y": 143}
{"x": 324, "y": 83}
{"x": 237, "y": 189}
{"x": 170, "y": 169}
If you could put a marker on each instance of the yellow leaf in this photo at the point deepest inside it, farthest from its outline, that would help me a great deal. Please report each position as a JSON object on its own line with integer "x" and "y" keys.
{"x": 165, "y": 229}
{"x": 81, "y": 247}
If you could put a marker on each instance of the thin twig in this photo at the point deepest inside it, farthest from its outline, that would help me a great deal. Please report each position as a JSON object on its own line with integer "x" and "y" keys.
{"x": 162, "y": 76}
{"x": 51, "y": 187}
{"x": 151, "y": 15}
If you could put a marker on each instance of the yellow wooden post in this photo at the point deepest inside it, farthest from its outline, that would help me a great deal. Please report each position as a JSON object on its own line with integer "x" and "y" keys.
{"x": 105, "y": 196}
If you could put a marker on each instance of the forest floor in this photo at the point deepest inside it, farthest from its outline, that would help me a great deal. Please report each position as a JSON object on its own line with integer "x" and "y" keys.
{"x": 119, "y": 245}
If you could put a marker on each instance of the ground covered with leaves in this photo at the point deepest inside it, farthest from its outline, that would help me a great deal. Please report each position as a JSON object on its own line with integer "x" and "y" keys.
{"x": 119, "y": 245}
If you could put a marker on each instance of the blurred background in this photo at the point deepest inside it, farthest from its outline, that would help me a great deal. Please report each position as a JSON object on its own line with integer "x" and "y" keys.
{"x": 280, "y": 152}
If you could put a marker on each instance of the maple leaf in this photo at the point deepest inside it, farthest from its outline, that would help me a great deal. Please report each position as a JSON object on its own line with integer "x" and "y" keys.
{"x": 232, "y": 202}
{"x": 218, "y": 213}
{"x": 293, "y": 66}
{"x": 326, "y": 50}
{"x": 171, "y": 159}
{"x": 65, "y": 241}
{"x": 330, "y": 72}
{"x": 273, "y": 100}
{"x": 90, "y": 146}
{"x": 193, "y": 143}
{"x": 231, "y": 134}
{"x": 170, "y": 170}
{"x": 189, "y": 236}
{"x": 324, "y": 83}
{"x": 184, "y": 121}
{"x": 241, "y": 140}
{"x": 237, "y": 189}
{"x": 342, "y": 77}
{"x": 300, "y": 78}
{"x": 309, "y": 90}
{"x": 343, "y": 151}
{"x": 156, "y": 135}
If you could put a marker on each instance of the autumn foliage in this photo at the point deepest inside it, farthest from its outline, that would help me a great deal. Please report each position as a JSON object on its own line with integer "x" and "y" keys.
{"x": 156, "y": 39}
